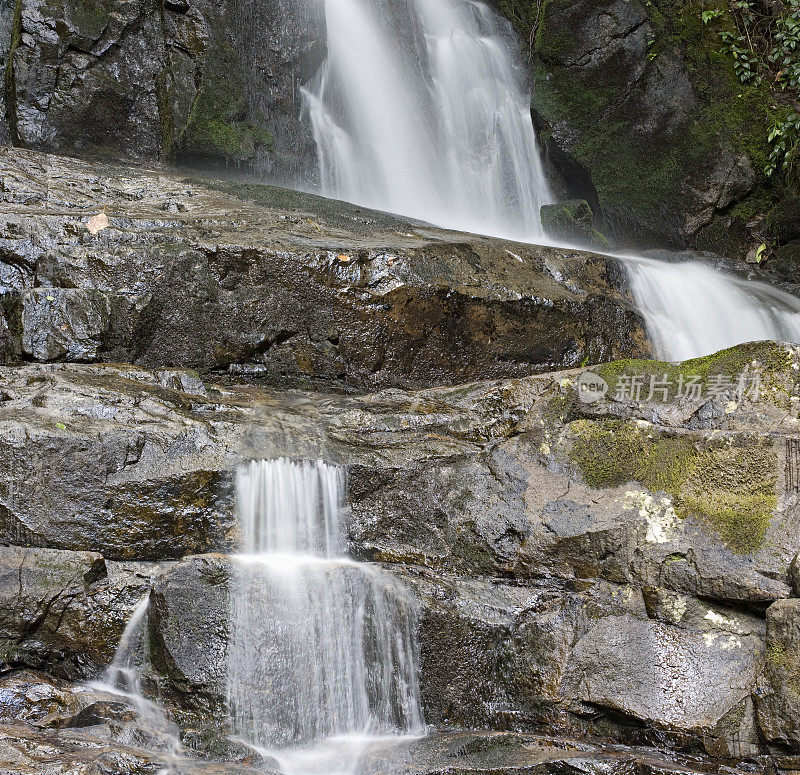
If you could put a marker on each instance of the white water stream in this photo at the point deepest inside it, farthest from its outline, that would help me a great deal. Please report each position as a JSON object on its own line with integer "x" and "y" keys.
{"x": 322, "y": 656}
{"x": 419, "y": 110}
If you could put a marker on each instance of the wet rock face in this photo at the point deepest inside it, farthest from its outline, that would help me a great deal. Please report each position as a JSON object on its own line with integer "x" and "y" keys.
{"x": 189, "y": 621}
{"x": 288, "y": 288}
{"x": 629, "y": 106}
{"x": 65, "y": 611}
{"x": 597, "y": 595}
{"x": 210, "y": 82}
{"x": 777, "y": 698}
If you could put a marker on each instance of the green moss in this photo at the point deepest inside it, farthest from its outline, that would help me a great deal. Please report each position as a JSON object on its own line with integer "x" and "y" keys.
{"x": 772, "y": 360}
{"x": 219, "y": 126}
{"x": 612, "y": 453}
{"x": 729, "y": 484}
{"x": 733, "y": 487}
{"x": 89, "y": 16}
{"x": 639, "y": 175}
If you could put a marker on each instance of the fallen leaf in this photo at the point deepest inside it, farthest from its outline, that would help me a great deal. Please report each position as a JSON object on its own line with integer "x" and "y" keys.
{"x": 97, "y": 223}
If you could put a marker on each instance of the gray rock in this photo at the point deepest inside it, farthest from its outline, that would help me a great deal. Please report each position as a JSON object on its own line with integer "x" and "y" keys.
{"x": 65, "y": 610}
{"x": 546, "y": 586}
{"x": 794, "y": 575}
{"x": 189, "y": 622}
{"x": 26, "y": 750}
{"x": 135, "y": 470}
{"x": 131, "y": 81}
{"x": 778, "y": 697}
{"x": 289, "y": 288}
{"x": 620, "y": 99}
{"x": 667, "y": 677}
{"x": 63, "y": 323}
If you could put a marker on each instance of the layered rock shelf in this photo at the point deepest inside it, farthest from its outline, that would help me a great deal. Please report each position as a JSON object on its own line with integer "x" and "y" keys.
{"x": 605, "y": 578}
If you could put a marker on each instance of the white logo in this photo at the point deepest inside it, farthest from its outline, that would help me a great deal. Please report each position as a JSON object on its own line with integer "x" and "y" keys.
{"x": 591, "y": 387}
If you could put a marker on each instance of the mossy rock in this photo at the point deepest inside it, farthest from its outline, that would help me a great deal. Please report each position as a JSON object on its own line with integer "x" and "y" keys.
{"x": 770, "y": 361}
{"x": 786, "y": 262}
{"x": 782, "y": 222}
{"x": 641, "y": 97}
{"x": 221, "y": 126}
{"x": 727, "y": 483}
{"x": 573, "y": 221}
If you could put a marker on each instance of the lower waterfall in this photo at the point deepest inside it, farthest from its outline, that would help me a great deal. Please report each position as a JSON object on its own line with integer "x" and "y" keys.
{"x": 419, "y": 110}
{"x": 323, "y": 654}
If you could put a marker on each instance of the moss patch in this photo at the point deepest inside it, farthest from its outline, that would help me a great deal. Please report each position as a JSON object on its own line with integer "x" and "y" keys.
{"x": 772, "y": 362}
{"x": 219, "y": 126}
{"x": 639, "y": 163}
{"x": 729, "y": 484}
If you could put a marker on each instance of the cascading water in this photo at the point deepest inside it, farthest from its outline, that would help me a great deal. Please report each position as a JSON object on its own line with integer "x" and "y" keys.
{"x": 419, "y": 110}
{"x": 691, "y": 309}
{"x": 322, "y": 654}
{"x": 123, "y": 679}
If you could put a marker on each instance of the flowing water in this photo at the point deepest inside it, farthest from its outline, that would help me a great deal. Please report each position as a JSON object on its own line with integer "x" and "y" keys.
{"x": 419, "y": 110}
{"x": 691, "y": 309}
{"x": 322, "y": 656}
{"x": 123, "y": 679}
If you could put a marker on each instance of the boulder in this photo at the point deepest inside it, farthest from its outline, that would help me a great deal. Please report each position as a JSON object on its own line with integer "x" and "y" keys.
{"x": 285, "y": 287}
{"x": 64, "y": 323}
{"x": 188, "y": 619}
{"x": 573, "y": 222}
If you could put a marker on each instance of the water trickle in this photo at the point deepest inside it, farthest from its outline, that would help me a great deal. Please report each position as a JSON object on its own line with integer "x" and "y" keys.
{"x": 123, "y": 679}
{"x": 420, "y": 111}
{"x": 322, "y": 652}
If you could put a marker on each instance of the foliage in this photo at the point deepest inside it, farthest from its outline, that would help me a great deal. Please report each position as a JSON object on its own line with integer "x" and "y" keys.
{"x": 764, "y": 43}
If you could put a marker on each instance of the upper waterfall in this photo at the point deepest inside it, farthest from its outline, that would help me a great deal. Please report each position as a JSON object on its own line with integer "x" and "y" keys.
{"x": 419, "y": 110}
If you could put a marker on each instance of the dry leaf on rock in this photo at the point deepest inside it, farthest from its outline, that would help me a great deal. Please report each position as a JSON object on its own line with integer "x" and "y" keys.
{"x": 97, "y": 223}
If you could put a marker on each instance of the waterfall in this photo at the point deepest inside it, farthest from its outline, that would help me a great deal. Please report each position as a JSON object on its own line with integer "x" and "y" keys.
{"x": 691, "y": 309}
{"x": 321, "y": 648}
{"x": 419, "y": 110}
{"x": 123, "y": 679}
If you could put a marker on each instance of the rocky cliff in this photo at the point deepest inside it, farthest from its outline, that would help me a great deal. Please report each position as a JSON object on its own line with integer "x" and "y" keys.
{"x": 242, "y": 279}
{"x": 214, "y": 83}
{"x": 617, "y": 571}
{"x": 638, "y": 107}
{"x": 603, "y": 559}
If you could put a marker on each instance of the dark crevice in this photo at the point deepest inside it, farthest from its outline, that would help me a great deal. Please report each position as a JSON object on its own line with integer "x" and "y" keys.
{"x": 9, "y": 80}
